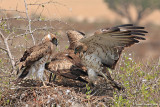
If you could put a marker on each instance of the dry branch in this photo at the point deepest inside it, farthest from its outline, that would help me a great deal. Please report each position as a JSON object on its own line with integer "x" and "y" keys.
{"x": 10, "y": 18}
{"x": 5, "y": 40}
{"x": 44, "y": 3}
{"x": 12, "y": 11}
{"x": 3, "y": 49}
{"x": 29, "y": 22}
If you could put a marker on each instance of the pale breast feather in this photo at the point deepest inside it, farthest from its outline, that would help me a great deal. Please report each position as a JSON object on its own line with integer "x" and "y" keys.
{"x": 91, "y": 61}
{"x": 107, "y": 55}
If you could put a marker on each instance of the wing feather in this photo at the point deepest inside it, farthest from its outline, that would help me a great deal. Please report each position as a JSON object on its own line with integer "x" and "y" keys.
{"x": 65, "y": 68}
{"x": 67, "y": 64}
{"x": 109, "y": 43}
{"x": 35, "y": 53}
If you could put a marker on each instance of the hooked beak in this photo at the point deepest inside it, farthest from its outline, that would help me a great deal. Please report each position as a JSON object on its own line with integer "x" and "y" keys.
{"x": 55, "y": 41}
{"x": 75, "y": 51}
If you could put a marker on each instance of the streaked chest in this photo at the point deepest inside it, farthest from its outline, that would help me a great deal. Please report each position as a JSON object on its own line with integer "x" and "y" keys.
{"x": 91, "y": 61}
{"x": 40, "y": 62}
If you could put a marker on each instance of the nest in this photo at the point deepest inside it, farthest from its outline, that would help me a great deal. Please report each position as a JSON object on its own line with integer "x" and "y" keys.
{"x": 68, "y": 93}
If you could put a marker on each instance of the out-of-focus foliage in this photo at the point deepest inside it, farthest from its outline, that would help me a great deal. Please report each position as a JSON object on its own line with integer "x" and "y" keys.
{"x": 143, "y": 8}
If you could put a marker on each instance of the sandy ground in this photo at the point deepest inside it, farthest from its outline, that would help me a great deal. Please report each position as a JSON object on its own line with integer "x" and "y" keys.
{"x": 91, "y": 10}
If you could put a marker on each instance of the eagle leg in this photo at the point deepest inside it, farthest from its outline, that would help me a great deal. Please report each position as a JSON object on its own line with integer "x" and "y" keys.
{"x": 91, "y": 84}
{"x": 81, "y": 80}
{"x": 113, "y": 83}
{"x": 54, "y": 77}
{"x": 50, "y": 77}
{"x": 44, "y": 85}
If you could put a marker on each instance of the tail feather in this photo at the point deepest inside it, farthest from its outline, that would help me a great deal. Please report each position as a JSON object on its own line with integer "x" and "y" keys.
{"x": 23, "y": 75}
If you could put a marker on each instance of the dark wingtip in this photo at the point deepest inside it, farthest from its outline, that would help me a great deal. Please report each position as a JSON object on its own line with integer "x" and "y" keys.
{"x": 81, "y": 33}
{"x": 135, "y": 33}
{"x": 140, "y": 38}
{"x": 46, "y": 65}
{"x": 124, "y": 25}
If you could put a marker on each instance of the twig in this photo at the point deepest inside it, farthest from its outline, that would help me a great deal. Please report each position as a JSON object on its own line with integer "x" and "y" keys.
{"x": 12, "y": 10}
{"x": 44, "y": 3}
{"x": 29, "y": 22}
{"x": 3, "y": 49}
{"x": 4, "y": 19}
{"x": 26, "y": 33}
{"x": 8, "y": 50}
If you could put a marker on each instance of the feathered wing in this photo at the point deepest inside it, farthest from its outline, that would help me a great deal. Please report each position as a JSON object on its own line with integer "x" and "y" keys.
{"x": 35, "y": 53}
{"x": 74, "y": 70}
{"x": 66, "y": 65}
{"x": 108, "y": 43}
{"x": 74, "y": 37}
{"x": 32, "y": 55}
{"x": 25, "y": 55}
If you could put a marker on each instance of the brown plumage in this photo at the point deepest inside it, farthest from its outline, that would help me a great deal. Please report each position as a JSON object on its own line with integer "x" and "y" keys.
{"x": 104, "y": 48}
{"x": 66, "y": 63}
{"x": 34, "y": 58}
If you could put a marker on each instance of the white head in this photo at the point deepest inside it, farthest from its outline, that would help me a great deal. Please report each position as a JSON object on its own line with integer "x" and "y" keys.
{"x": 50, "y": 37}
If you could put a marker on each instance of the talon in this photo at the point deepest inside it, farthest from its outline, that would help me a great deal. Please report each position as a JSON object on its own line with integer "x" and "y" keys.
{"x": 91, "y": 84}
{"x": 44, "y": 85}
{"x": 118, "y": 86}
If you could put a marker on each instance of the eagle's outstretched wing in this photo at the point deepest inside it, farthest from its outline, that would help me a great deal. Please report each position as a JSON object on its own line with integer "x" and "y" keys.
{"x": 108, "y": 43}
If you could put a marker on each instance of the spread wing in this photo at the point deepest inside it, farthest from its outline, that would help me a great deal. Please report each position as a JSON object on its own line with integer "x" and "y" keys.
{"x": 66, "y": 65}
{"x": 108, "y": 43}
{"x": 73, "y": 37}
{"x": 34, "y": 54}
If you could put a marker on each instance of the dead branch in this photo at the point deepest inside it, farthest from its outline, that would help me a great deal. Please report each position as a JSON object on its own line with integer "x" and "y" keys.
{"x": 12, "y": 11}
{"x": 10, "y": 18}
{"x": 29, "y": 22}
{"x": 44, "y": 3}
{"x": 3, "y": 49}
{"x": 5, "y": 40}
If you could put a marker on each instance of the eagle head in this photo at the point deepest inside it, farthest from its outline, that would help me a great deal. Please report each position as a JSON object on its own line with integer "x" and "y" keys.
{"x": 80, "y": 48}
{"x": 74, "y": 35}
{"x": 52, "y": 38}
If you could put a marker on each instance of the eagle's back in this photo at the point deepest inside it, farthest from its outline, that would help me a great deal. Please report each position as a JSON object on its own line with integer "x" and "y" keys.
{"x": 66, "y": 64}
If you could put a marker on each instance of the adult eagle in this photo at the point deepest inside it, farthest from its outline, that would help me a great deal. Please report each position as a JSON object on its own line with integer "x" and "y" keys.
{"x": 66, "y": 63}
{"x": 34, "y": 58}
{"x": 103, "y": 49}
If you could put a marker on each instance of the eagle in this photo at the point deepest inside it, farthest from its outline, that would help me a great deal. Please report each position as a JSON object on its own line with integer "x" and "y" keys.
{"x": 102, "y": 50}
{"x": 66, "y": 63}
{"x": 34, "y": 59}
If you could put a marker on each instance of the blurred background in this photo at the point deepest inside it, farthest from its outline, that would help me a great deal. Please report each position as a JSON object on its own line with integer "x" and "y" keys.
{"x": 23, "y": 23}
